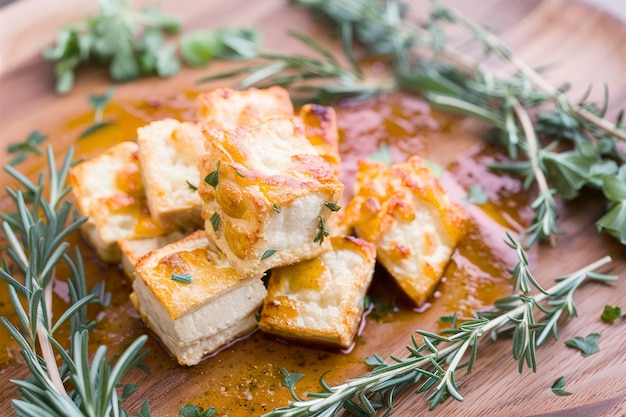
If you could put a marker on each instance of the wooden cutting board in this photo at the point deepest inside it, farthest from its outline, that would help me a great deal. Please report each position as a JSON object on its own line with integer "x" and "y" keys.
{"x": 582, "y": 45}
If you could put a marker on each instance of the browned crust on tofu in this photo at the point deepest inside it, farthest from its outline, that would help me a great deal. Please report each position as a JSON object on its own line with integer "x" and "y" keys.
{"x": 407, "y": 193}
{"x": 291, "y": 310}
{"x": 320, "y": 127}
{"x": 225, "y": 108}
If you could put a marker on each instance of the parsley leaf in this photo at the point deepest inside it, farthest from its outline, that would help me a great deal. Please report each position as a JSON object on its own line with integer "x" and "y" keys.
{"x": 614, "y": 221}
{"x": 557, "y": 387}
{"x": 610, "y": 314}
{"x": 587, "y": 346}
{"x": 129, "y": 42}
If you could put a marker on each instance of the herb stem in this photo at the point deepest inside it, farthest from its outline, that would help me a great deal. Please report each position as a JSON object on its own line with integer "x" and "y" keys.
{"x": 541, "y": 83}
{"x": 533, "y": 155}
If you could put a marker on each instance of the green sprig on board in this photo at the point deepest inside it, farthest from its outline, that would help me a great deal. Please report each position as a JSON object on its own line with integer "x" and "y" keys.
{"x": 65, "y": 381}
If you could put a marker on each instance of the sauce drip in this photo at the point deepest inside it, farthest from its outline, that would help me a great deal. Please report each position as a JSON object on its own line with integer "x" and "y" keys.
{"x": 244, "y": 378}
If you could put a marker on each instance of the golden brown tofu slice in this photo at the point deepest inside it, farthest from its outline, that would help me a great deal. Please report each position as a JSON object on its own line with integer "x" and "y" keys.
{"x": 212, "y": 305}
{"x": 134, "y": 249}
{"x": 169, "y": 152}
{"x": 415, "y": 226}
{"x": 321, "y": 300}
{"x": 109, "y": 189}
{"x": 225, "y": 108}
{"x": 320, "y": 127}
{"x": 265, "y": 195}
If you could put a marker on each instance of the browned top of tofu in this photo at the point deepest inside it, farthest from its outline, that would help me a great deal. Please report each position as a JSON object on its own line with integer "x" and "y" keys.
{"x": 191, "y": 256}
{"x": 225, "y": 108}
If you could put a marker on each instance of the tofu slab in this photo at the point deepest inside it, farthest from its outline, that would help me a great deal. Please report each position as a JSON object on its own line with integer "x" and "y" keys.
{"x": 134, "y": 249}
{"x": 415, "y": 226}
{"x": 264, "y": 195}
{"x": 169, "y": 151}
{"x": 109, "y": 189}
{"x": 196, "y": 318}
{"x": 321, "y": 300}
{"x": 225, "y": 108}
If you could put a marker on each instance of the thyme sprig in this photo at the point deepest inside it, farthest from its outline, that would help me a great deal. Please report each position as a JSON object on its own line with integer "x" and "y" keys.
{"x": 435, "y": 360}
{"x": 73, "y": 385}
{"x": 556, "y": 143}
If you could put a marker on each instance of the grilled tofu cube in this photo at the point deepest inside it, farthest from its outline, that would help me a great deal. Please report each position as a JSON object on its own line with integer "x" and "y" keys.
{"x": 415, "y": 226}
{"x": 225, "y": 108}
{"x": 196, "y": 318}
{"x": 169, "y": 151}
{"x": 320, "y": 127}
{"x": 265, "y": 192}
{"x": 320, "y": 300}
{"x": 109, "y": 189}
{"x": 134, "y": 249}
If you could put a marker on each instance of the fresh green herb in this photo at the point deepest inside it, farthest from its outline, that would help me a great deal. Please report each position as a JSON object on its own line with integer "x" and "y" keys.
{"x": 239, "y": 174}
{"x": 213, "y": 177}
{"x": 476, "y": 195}
{"x": 382, "y": 154}
{"x": 276, "y": 208}
{"x": 614, "y": 189}
{"x": 194, "y": 411}
{"x": 29, "y": 146}
{"x": 433, "y": 364}
{"x": 557, "y": 387}
{"x": 199, "y": 47}
{"x": 98, "y": 103}
{"x": 423, "y": 61}
{"x": 434, "y": 167}
{"x": 332, "y": 206}
{"x": 610, "y": 314}
{"x": 145, "y": 410}
{"x": 184, "y": 278}
{"x": 587, "y": 346}
{"x": 268, "y": 253}
{"x": 215, "y": 221}
{"x": 36, "y": 236}
{"x": 289, "y": 380}
{"x": 322, "y": 231}
{"x": 191, "y": 186}
{"x": 131, "y": 43}
{"x": 127, "y": 390}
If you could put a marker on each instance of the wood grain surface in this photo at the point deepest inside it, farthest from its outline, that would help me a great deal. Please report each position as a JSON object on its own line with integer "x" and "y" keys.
{"x": 580, "y": 44}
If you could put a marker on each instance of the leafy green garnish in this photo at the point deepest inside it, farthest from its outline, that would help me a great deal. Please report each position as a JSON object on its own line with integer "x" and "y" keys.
{"x": 322, "y": 231}
{"x": 557, "y": 387}
{"x": 587, "y": 346}
{"x": 610, "y": 314}
{"x": 194, "y": 411}
{"x": 184, "y": 278}
{"x": 614, "y": 221}
{"x": 199, "y": 47}
{"x": 215, "y": 221}
{"x": 131, "y": 43}
{"x": 213, "y": 177}
{"x": 268, "y": 253}
{"x": 29, "y": 146}
{"x": 476, "y": 195}
{"x": 332, "y": 206}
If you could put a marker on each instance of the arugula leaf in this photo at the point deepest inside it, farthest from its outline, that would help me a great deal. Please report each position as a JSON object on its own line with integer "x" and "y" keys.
{"x": 587, "y": 346}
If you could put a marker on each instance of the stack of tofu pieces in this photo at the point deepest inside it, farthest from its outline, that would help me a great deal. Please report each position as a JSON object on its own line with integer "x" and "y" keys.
{"x": 199, "y": 212}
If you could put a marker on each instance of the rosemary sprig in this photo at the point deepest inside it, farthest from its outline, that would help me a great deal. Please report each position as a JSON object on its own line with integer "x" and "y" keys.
{"x": 36, "y": 235}
{"x": 524, "y": 109}
{"x": 434, "y": 363}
